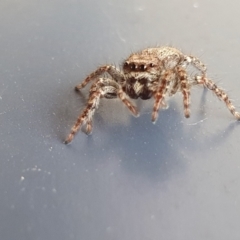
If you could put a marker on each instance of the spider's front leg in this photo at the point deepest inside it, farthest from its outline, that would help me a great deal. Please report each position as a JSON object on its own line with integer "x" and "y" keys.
{"x": 106, "y": 88}
{"x": 185, "y": 89}
{"x": 161, "y": 92}
{"x": 86, "y": 115}
{"x": 203, "y": 80}
{"x": 111, "y": 70}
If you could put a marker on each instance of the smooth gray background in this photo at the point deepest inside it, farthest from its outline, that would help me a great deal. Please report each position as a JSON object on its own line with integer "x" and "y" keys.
{"x": 131, "y": 179}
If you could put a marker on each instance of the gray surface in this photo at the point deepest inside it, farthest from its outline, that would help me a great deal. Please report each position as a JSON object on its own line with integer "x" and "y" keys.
{"x": 130, "y": 180}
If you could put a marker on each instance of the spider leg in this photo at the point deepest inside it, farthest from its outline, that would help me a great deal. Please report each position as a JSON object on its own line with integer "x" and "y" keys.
{"x": 164, "y": 105}
{"x": 174, "y": 87}
{"x": 104, "y": 87}
{"x": 185, "y": 89}
{"x": 86, "y": 115}
{"x": 117, "y": 93}
{"x": 203, "y": 80}
{"x": 161, "y": 92}
{"x": 122, "y": 96}
{"x": 196, "y": 63}
{"x": 89, "y": 126}
{"x": 111, "y": 70}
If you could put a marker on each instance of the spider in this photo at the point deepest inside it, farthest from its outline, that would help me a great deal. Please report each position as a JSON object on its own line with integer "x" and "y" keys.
{"x": 150, "y": 73}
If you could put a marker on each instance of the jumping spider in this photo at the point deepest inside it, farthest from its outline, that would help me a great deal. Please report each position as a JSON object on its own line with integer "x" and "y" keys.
{"x": 153, "y": 72}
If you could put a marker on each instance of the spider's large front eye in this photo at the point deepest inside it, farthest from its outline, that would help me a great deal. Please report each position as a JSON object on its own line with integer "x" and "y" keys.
{"x": 132, "y": 66}
{"x": 142, "y": 67}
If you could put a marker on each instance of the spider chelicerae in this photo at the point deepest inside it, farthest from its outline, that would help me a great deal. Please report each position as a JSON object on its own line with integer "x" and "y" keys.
{"x": 152, "y": 72}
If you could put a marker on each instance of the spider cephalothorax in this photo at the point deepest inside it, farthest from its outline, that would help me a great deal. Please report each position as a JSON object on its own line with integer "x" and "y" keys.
{"x": 153, "y": 72}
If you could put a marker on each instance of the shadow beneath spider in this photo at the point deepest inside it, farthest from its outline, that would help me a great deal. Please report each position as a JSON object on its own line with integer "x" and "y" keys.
{"x": 151, "y": 149}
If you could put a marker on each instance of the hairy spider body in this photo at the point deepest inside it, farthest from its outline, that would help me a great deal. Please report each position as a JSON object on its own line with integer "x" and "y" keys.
{"x": 152, "y": 72}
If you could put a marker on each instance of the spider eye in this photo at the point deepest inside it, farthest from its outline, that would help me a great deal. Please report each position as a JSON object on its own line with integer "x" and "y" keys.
{"x": 151, "y": 65}
{"x": 142, "y": 67}
{"x": 132, "y": 66}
